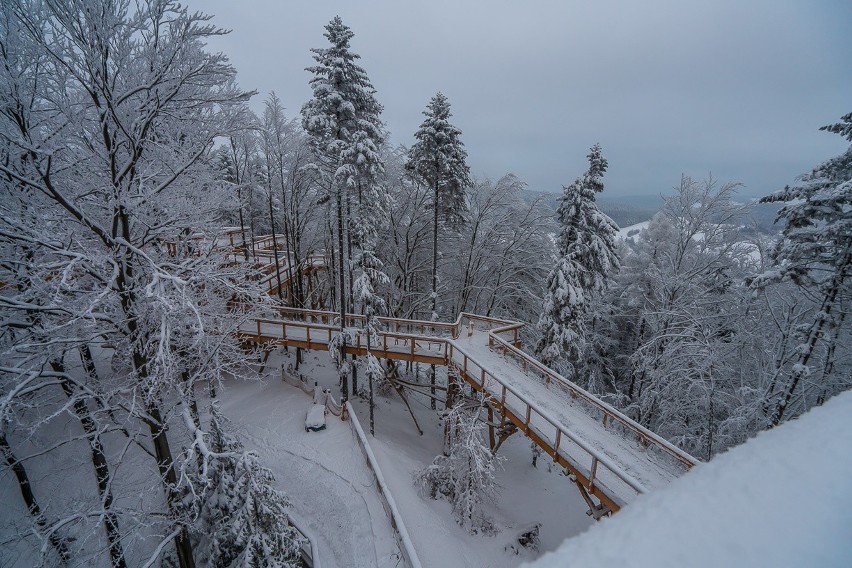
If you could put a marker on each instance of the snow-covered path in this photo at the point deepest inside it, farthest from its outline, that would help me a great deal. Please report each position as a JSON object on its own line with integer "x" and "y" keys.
{"x": 650, "y": 469}
{"x": 323, "y": 473}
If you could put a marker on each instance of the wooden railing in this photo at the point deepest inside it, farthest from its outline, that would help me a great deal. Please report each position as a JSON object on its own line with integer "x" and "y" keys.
{"x": 435, "y": 341}
{"x": 607, "y": 413}
{"x": 532, "y": 420}
{"x": 314, "y": 331}
{"x": 503, "y": 337}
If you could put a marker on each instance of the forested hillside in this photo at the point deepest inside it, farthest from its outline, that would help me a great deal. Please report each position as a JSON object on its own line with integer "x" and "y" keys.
{"x": 163, "y": 229}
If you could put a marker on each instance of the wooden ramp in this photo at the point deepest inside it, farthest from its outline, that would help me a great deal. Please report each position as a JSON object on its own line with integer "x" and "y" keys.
{"x": 609, "y": 456}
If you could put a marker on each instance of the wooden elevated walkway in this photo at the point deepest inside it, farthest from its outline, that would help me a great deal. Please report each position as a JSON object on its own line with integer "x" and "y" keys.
{"x": 609, "y": 456}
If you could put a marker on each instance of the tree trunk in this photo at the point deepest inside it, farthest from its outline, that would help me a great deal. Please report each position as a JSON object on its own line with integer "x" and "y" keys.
{"x": 434, "y": 315}
{"x": 816, "y": 332}
{"x": 242, "y": 224}
{"x": 165, "y": 464}
{"x": 29, "y": 498}
{"x": 370, "y": 387}
{"x": 344, "y": 385}
{"x": 252, "y": 233}
{"x": 99, "y": 462}
{"x": 275, "y": 245}
{"x": 163, "y": 454}
{"x": 239, "y": 197}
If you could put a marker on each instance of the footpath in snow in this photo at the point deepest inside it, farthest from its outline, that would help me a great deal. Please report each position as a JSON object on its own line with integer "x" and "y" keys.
{"x": 271, "y": 416}
{"x": 323, "y": 473}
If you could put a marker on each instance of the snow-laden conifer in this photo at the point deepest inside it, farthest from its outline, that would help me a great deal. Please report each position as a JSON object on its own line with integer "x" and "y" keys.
{"x": 815, "y": 252}
{"x": 586, "y": 257}
{"x": 438, "y": 160}
{"x": 244, "y": 519}
{"x": 345, "y": 132}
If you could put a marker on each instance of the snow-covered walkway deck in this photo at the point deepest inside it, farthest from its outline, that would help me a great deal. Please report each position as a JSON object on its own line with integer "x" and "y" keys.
{"x": 611, "y": 456}
{"x": 564, "y": 423}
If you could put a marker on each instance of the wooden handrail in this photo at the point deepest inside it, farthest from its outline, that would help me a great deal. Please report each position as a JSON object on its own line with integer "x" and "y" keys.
{"x": 500, "y": 340}
{"x": 561, "y": 431}
{"x": 502, "y": 326}
{"x": 643, "y": 433}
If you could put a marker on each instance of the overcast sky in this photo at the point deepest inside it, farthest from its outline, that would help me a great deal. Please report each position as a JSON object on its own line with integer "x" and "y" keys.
{"x": 737, "y": 88}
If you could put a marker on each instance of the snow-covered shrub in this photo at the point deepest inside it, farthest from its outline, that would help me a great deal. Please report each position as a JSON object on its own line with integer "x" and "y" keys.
{"x": 244, "y": 519}
{"x": 466, "y": 475}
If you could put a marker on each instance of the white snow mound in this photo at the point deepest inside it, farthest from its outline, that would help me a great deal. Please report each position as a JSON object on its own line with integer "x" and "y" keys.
{"x": 782, "y": 499}
{"x": 315, "y": 420}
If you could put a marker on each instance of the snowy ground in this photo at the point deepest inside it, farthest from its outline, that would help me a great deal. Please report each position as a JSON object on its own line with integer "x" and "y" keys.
{"x": 323, "y": 473}
{"x": 272, "y": 414}
{"x": 631, "y": 232}
{"x": 325, "y": 476}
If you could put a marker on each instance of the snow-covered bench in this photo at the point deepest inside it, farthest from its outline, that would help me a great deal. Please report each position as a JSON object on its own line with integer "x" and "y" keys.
{"x": 315, "y": 420}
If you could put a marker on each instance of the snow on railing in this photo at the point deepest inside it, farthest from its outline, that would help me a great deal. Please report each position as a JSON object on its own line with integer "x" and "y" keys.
{"x": 406, "y": 546}
{"x": 526, "y": 363}
{"x": 495, "y": 327}
{"x": 310, "y": 552}
{"x": 321, "y": 322}
{"x": 530, "y": 411}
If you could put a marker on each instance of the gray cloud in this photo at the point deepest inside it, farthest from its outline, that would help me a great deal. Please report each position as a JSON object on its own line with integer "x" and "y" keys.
{"x": 736, "y": 88}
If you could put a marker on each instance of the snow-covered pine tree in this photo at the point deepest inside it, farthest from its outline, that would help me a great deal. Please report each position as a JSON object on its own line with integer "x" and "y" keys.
{"x": 365, "y": 295}
{"x": 815, "y": 252}
{"x": 244, "y": 521}
{"x": 438, "y": 160}
{"x": 466, "y": 475}
{"x": 587, "y": 256}
{"x": 345, "y": 132}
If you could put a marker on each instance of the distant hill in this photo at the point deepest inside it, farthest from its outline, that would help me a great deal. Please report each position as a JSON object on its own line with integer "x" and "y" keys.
{"x": 630, "y": 210}
{"x": 625, "y": 211}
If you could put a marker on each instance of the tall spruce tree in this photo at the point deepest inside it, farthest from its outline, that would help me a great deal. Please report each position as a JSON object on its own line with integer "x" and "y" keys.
{"x": 587, "y": 256}
{"x": 815, "y": 252}
{"x": 438, "y": 160}
{"x": 345, "y": 132}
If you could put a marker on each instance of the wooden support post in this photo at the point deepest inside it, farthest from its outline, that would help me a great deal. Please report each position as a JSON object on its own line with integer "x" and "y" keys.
{"x": 594, "y": 472}
{"x": 266, "y": 352}
{"x": 596, "y": 510}
{"x": 491, "y": 441}
{"x": 452, "y": 387}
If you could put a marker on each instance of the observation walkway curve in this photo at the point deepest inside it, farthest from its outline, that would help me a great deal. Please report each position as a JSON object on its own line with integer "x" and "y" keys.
{"x": 608, "y": 455}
